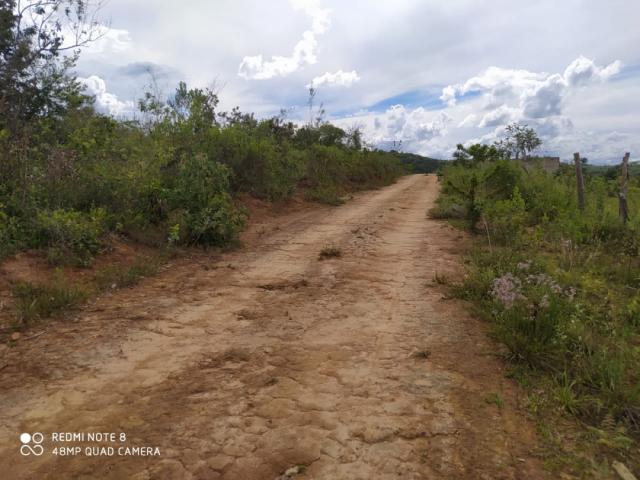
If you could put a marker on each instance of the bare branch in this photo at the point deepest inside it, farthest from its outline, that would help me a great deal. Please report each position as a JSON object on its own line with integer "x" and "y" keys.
{"x": 48, "y": 24}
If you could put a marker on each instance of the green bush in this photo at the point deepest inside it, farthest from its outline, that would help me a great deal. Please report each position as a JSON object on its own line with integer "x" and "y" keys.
{"x": 198, "y": 179}
{"x": 270, "y": 171}
{"x": 10, "y": 234}
{"x": 328, "y": 194}
{"x": 217, "y": 224}
{"x": 332, "y": 171}
{"x": 259, "y": 164}
{"x": 462, "y": 185}
{"x": 200, "y": 191}
{"x": 281, "y": 175}
{"x": 506, "y": 219}
{"x": 71, "y": 237}
{"x": 545, "y": 198}
{"x": 326, "y": 167}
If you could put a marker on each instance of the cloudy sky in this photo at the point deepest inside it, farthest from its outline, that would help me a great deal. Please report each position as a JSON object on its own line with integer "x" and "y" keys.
{"x": 426, "y": 73}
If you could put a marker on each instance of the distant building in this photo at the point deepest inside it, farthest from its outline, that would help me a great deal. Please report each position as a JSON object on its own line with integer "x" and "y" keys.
{"x": 548, "y": 164}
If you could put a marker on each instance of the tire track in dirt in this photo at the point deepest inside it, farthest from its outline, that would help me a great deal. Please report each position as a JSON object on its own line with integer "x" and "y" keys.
{"x": 272, "y": 359}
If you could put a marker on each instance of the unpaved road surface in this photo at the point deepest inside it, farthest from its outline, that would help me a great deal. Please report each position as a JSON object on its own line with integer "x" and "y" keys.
{"x": 265, "y": 359}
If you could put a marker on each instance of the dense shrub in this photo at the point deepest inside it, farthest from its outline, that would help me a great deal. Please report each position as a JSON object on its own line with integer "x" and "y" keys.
{"x": 332, "y": 171}
{"x": 201, "y": 192}
{"x": 71, "y": 237}
{"x": 215, "y": 223}
{"x": 260, "y": 165}
{"x": 506, "y": 219}
{"x": 10, "y": 234}
{"x": 329, "y": 194}
{"x": 326, "y": 166}
{"x": 545, "y": 200}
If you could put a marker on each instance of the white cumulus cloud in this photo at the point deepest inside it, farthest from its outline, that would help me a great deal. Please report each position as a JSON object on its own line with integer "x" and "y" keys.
{"x": 415, "y": 129}
{"x": 110, "y": 41}
{"x": 337, "y": 79}
{"x": 105, "y": 102}
{"x": 468, "y": 121}
{"x": 545, "y": 101}
{"x": 500, "y": 116}
{"x": 582, "y": 71}
{"x": 304, "y": 52}
{"x": 510, "y": 95}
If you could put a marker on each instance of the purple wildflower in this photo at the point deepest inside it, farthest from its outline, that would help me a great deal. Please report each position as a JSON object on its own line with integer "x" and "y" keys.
{"x": 506, "y": 290}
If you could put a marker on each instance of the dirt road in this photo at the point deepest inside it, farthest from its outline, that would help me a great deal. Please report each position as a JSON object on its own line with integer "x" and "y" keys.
{"x": 268, "y": 360}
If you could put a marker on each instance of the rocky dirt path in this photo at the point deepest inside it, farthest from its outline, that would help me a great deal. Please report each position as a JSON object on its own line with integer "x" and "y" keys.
{"x": 268, "y": 363}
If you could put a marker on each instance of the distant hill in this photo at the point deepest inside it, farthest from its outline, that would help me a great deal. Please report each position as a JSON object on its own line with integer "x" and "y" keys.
{"x": 418, "y": 163}
{"x": 612, "y": 171}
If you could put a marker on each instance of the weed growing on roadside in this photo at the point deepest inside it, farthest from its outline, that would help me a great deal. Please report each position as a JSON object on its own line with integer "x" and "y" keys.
{"x": 422, "y": 354}
{"x": 38, "y": 301}
{"x": 121, "y": 276}
{"x": 439, "y": 279}
{"x": 494, "y": 399}
{"x": 330, "y": 251}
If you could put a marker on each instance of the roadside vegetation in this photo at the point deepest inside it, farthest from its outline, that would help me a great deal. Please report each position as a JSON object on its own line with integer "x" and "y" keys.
{"x": 560, "y": 288}
{"x": 70, "y": 177}
{"x": 61, "y": 292}
{"x": 330, "y": 251}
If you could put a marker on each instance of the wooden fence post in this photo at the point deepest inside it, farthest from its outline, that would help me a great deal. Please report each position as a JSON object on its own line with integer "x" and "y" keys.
{"x": 579, "y": 180}
{"x": 623, "y": 207}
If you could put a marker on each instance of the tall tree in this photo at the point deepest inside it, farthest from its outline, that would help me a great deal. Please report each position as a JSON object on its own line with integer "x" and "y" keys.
{"x": 39, "y": 43}
{"x": 519, "y": 142}
{"x": 476, "y": 153}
